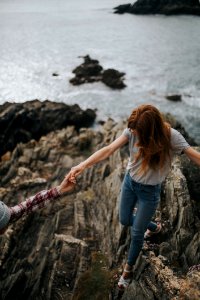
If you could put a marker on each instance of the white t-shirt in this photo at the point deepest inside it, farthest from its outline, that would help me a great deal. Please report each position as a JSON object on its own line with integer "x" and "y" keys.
{"x": 151, "y": 176}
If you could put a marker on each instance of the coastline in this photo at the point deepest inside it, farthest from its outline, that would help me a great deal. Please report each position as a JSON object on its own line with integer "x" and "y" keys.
{"x": 75, "y": 248}
{"x": 22, "y": 122}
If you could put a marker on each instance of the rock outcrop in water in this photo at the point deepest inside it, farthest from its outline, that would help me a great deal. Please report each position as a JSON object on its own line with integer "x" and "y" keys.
{"x": 50, "y": 254}
{"x": 175, "y": 97}
{"x": 21, "y": 122}
{"x": 91, "y": 71}
{"x": 166, "y": 7}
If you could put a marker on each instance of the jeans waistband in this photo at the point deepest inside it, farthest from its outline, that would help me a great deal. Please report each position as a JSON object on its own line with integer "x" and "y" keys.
{"x": 142, "y": 184}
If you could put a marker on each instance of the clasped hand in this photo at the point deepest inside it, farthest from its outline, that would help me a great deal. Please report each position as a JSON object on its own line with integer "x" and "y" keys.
{"x": 75, "y": 171}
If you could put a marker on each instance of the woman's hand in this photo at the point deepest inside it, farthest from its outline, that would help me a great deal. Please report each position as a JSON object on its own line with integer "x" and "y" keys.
{"x": 65, "y": 186}
{"x": 98, "y": 156}
{"x": 75, "y": 171}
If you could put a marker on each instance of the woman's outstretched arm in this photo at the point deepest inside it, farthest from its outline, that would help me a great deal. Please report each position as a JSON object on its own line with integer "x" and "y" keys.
{"x": 98, "y": 156}
{"x": 193, "y": 155}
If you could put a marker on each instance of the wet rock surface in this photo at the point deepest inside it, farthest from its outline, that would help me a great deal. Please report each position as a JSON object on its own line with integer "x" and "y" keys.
{"x": 47, "y": 255}
{"x": 21, "y": 122}
{"x": 113, "y": 78}
{"x": 166, "y": 7}
{"x": 92, "y": 71}
{"x": 175, "y": 98}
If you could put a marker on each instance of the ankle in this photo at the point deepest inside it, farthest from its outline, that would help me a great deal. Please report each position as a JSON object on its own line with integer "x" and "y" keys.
{"x": 128, "y": 267}
{"x": 127, "y": 272}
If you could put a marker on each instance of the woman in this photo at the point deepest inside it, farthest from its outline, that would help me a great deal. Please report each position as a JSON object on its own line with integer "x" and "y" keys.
{"x": 152, "y": 145}
{"x": 9, "y": 215}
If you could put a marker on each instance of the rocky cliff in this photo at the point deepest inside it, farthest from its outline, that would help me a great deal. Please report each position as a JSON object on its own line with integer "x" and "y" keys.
{"x": 21, "y": 122}
{"x": 74, "y": 248}
{"x": 166, "y": 7}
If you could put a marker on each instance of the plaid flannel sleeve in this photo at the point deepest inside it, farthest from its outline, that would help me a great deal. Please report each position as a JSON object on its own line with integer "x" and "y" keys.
{"x": 37, "y": 201}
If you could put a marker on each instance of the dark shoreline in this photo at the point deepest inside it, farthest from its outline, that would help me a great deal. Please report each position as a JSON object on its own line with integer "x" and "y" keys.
{"x": 22, "y": 122}
{"x": 146, "y": 7}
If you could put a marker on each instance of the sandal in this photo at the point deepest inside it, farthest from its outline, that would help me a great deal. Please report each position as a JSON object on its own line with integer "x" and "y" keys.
{"x": 149, "y": 233}
{"x": 123, "y": 283}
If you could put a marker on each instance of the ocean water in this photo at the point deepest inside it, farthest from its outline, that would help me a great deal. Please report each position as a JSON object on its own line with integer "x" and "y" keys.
{"x": 160, "y": 55}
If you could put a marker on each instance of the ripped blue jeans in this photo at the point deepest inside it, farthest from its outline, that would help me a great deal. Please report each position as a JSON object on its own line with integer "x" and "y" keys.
{"x": 146, "y": 198}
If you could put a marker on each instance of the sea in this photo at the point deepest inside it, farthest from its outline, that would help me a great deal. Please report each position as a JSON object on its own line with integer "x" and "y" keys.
{"x": 159, "y": 54}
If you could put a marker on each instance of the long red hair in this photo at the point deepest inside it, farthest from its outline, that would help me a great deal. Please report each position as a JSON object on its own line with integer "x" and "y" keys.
{"x": 153, "y": 136}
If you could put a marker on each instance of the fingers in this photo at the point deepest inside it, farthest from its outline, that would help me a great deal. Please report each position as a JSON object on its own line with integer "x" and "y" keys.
{"x": 71, "y": 176}
{"x": 66, "y": 186}
{"x": 67, "y": 176}
{"x": 75, "y": 171}
{"x": 70, "y": 179}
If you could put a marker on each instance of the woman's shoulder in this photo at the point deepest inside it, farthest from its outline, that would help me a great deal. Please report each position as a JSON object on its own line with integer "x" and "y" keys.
{"x": 175, "y": 133}
{"x": 130, "y": 135}
{"x": 126, "y": 132}
{"x": 178, "y": 142}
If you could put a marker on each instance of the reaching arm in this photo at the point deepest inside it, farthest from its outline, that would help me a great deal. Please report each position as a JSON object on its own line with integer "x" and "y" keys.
{"x": 193, "y": 155}
{"x": 39, "y": 200}
{"x": 96, "y": 157}
{"x": 10, "y": 214}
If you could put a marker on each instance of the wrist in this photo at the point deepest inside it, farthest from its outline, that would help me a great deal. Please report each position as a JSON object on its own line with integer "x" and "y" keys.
{"x": 59, "y": 189}
{"x": 83, "y": 166}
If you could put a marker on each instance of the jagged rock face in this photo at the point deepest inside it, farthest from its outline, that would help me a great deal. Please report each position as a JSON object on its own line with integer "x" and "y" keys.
{"x": 21, "y": 122}
{"x": 44, "y": 255}
{"x": 167, "y": 7}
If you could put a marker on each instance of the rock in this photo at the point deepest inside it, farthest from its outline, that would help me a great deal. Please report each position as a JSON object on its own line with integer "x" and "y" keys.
{"x": 89, "y": 68}
{"x": 134, "y": 291}
{"x": 178, "y": 126}
{"x": 122, "y": 8}
{"x": 30, "y": 120}
{"x": 174, "y": 98}
{"x": 165, "y": 249}
{"x": 188, "y": 287}
{"x": 55, "y": 74}
{"x": 113, "y": 79}
{"x": 6, "y": 156}
{"x": 49, "y": 253}
{"x": 166, "y": 7}
{"x": 192, "y": 250}
{"x": 192, "y": 173}
{"x": 180, "y": 209}
{"x": 91, "y": 71}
